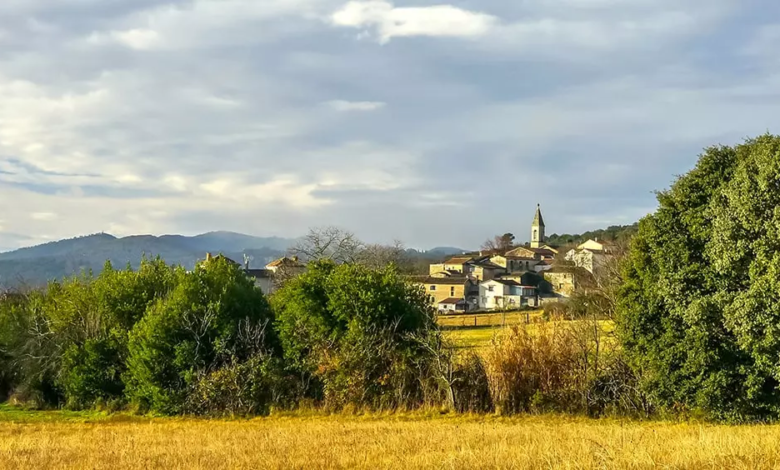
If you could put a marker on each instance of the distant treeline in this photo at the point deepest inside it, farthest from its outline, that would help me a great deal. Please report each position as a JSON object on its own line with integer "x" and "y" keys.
{"x": 613, "y": 233}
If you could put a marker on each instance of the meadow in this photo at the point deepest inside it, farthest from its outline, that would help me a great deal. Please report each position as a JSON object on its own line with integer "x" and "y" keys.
{"x": 56, "y": 440}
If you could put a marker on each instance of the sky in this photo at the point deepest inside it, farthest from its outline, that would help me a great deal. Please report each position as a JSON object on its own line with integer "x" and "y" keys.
{"x": 429, "y": 122}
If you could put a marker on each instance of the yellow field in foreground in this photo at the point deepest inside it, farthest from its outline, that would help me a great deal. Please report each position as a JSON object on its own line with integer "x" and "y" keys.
{"x": 386, "y": 442}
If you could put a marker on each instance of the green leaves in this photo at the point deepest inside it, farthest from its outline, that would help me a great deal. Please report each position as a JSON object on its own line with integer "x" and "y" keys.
{"x": 358, "y": 333}
{"x": 701, "y": 297}
{"x": 195, "y": 329}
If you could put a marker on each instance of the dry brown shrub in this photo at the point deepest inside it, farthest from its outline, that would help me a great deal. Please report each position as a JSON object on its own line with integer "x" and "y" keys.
{"x": 532, "y": 371}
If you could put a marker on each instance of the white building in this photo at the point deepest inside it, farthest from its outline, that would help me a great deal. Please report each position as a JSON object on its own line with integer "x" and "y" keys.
{"x": 505, "y": 294}
{"x": 590, "y": 255}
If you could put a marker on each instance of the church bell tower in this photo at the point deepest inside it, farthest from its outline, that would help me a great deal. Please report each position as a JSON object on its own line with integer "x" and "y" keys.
{"x": 537, "y": 229}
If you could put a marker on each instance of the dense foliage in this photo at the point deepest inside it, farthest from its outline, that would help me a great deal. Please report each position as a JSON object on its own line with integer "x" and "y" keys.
{"x": 700, "y": 304}
{"x": 206, "y": 341}
{"x": 214, "y": 317}
{"x": 360, "y": 336}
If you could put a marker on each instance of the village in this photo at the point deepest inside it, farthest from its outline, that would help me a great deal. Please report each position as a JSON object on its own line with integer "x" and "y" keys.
{"x": 518, "y": 277}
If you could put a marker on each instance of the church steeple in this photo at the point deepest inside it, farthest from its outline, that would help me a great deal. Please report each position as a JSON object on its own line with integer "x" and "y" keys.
{"x": 537, "y": 229}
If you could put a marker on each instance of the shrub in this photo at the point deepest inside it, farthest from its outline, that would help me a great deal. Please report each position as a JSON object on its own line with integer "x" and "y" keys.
{"x": 214, "y": 318}
{"x": 532, "y": 372}
{"x": 91, "y": 373}
{"x": 360, "y": 336}
{"x": 249, "y": 387}
{"x": 471, "y": 389}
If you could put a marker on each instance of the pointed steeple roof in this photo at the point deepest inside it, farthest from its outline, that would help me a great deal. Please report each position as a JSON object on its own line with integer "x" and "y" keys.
{"x": 538, "y": 220}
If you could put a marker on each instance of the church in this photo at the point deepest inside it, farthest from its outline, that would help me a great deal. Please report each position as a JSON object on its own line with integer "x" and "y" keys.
{"x": 538, "y": 249}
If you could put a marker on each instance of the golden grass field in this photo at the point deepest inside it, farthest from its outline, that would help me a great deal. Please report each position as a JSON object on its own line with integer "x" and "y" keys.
{"x": 380, "y": 441}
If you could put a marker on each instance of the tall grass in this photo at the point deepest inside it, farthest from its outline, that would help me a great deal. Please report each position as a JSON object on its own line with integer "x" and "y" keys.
{"x": 570, "y": 367}
{"x": 387, "y": 442}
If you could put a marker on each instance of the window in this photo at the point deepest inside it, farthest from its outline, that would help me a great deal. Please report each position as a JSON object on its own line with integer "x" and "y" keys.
{"x": 433, "y": 288}
{"x": 452, "y": 292}
{"x": 490, "y": 288}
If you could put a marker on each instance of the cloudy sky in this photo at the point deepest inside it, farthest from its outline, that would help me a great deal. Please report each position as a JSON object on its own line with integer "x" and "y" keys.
{"x": 431, "y": 122}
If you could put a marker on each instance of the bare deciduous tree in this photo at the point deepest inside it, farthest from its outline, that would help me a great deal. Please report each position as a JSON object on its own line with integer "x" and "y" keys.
{"x": 500, "y": 243}
{"x": 378, "y": 256}
{"x": 330, "y": 243}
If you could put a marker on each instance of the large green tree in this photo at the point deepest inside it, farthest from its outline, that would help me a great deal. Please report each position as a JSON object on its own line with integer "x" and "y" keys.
{"x": 700, "y": 309}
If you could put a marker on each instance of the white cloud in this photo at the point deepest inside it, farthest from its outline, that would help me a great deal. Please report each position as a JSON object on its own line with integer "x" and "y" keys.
{"x": 390, "y": 21}
{"x": 140, "y": 39}
{"x": 43, "y": 216}
{"x": 342, "y": 105}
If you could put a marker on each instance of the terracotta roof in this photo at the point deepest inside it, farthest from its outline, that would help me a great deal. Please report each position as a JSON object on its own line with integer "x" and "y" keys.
{"x": 459, "y": 260}
{"x": 447, "y": 273}
{"x": 489, "y": 265}
{"x": 519, "y": 258}
{"x": 519, "y": 249}
{"x": 452, "y": 301}
{"x": 209, "y": 257}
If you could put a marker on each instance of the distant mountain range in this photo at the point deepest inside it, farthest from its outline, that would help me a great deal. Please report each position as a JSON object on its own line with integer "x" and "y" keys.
{"x": 37, "y": 265}
{"x": 55, "y": 260}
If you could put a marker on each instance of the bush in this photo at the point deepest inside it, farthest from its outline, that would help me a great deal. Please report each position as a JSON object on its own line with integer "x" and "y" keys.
{"x": 701, "y": 297}
{"x": 359, "y": 336}
{"x": 214, "y": 318}
{"x": 91, "y": 373}
{"x": 13, "y": 317}
{"x": 250, "y": 387}
{"x": 470, "y": 386}
{"x": 532, "y": 372}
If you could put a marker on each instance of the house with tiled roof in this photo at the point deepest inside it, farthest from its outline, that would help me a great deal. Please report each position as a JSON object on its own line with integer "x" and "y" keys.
{"x": 442, "y": 286}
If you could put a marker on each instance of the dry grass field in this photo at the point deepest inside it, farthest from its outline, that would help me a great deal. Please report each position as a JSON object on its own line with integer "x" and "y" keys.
{"x": 399, "y": 441}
